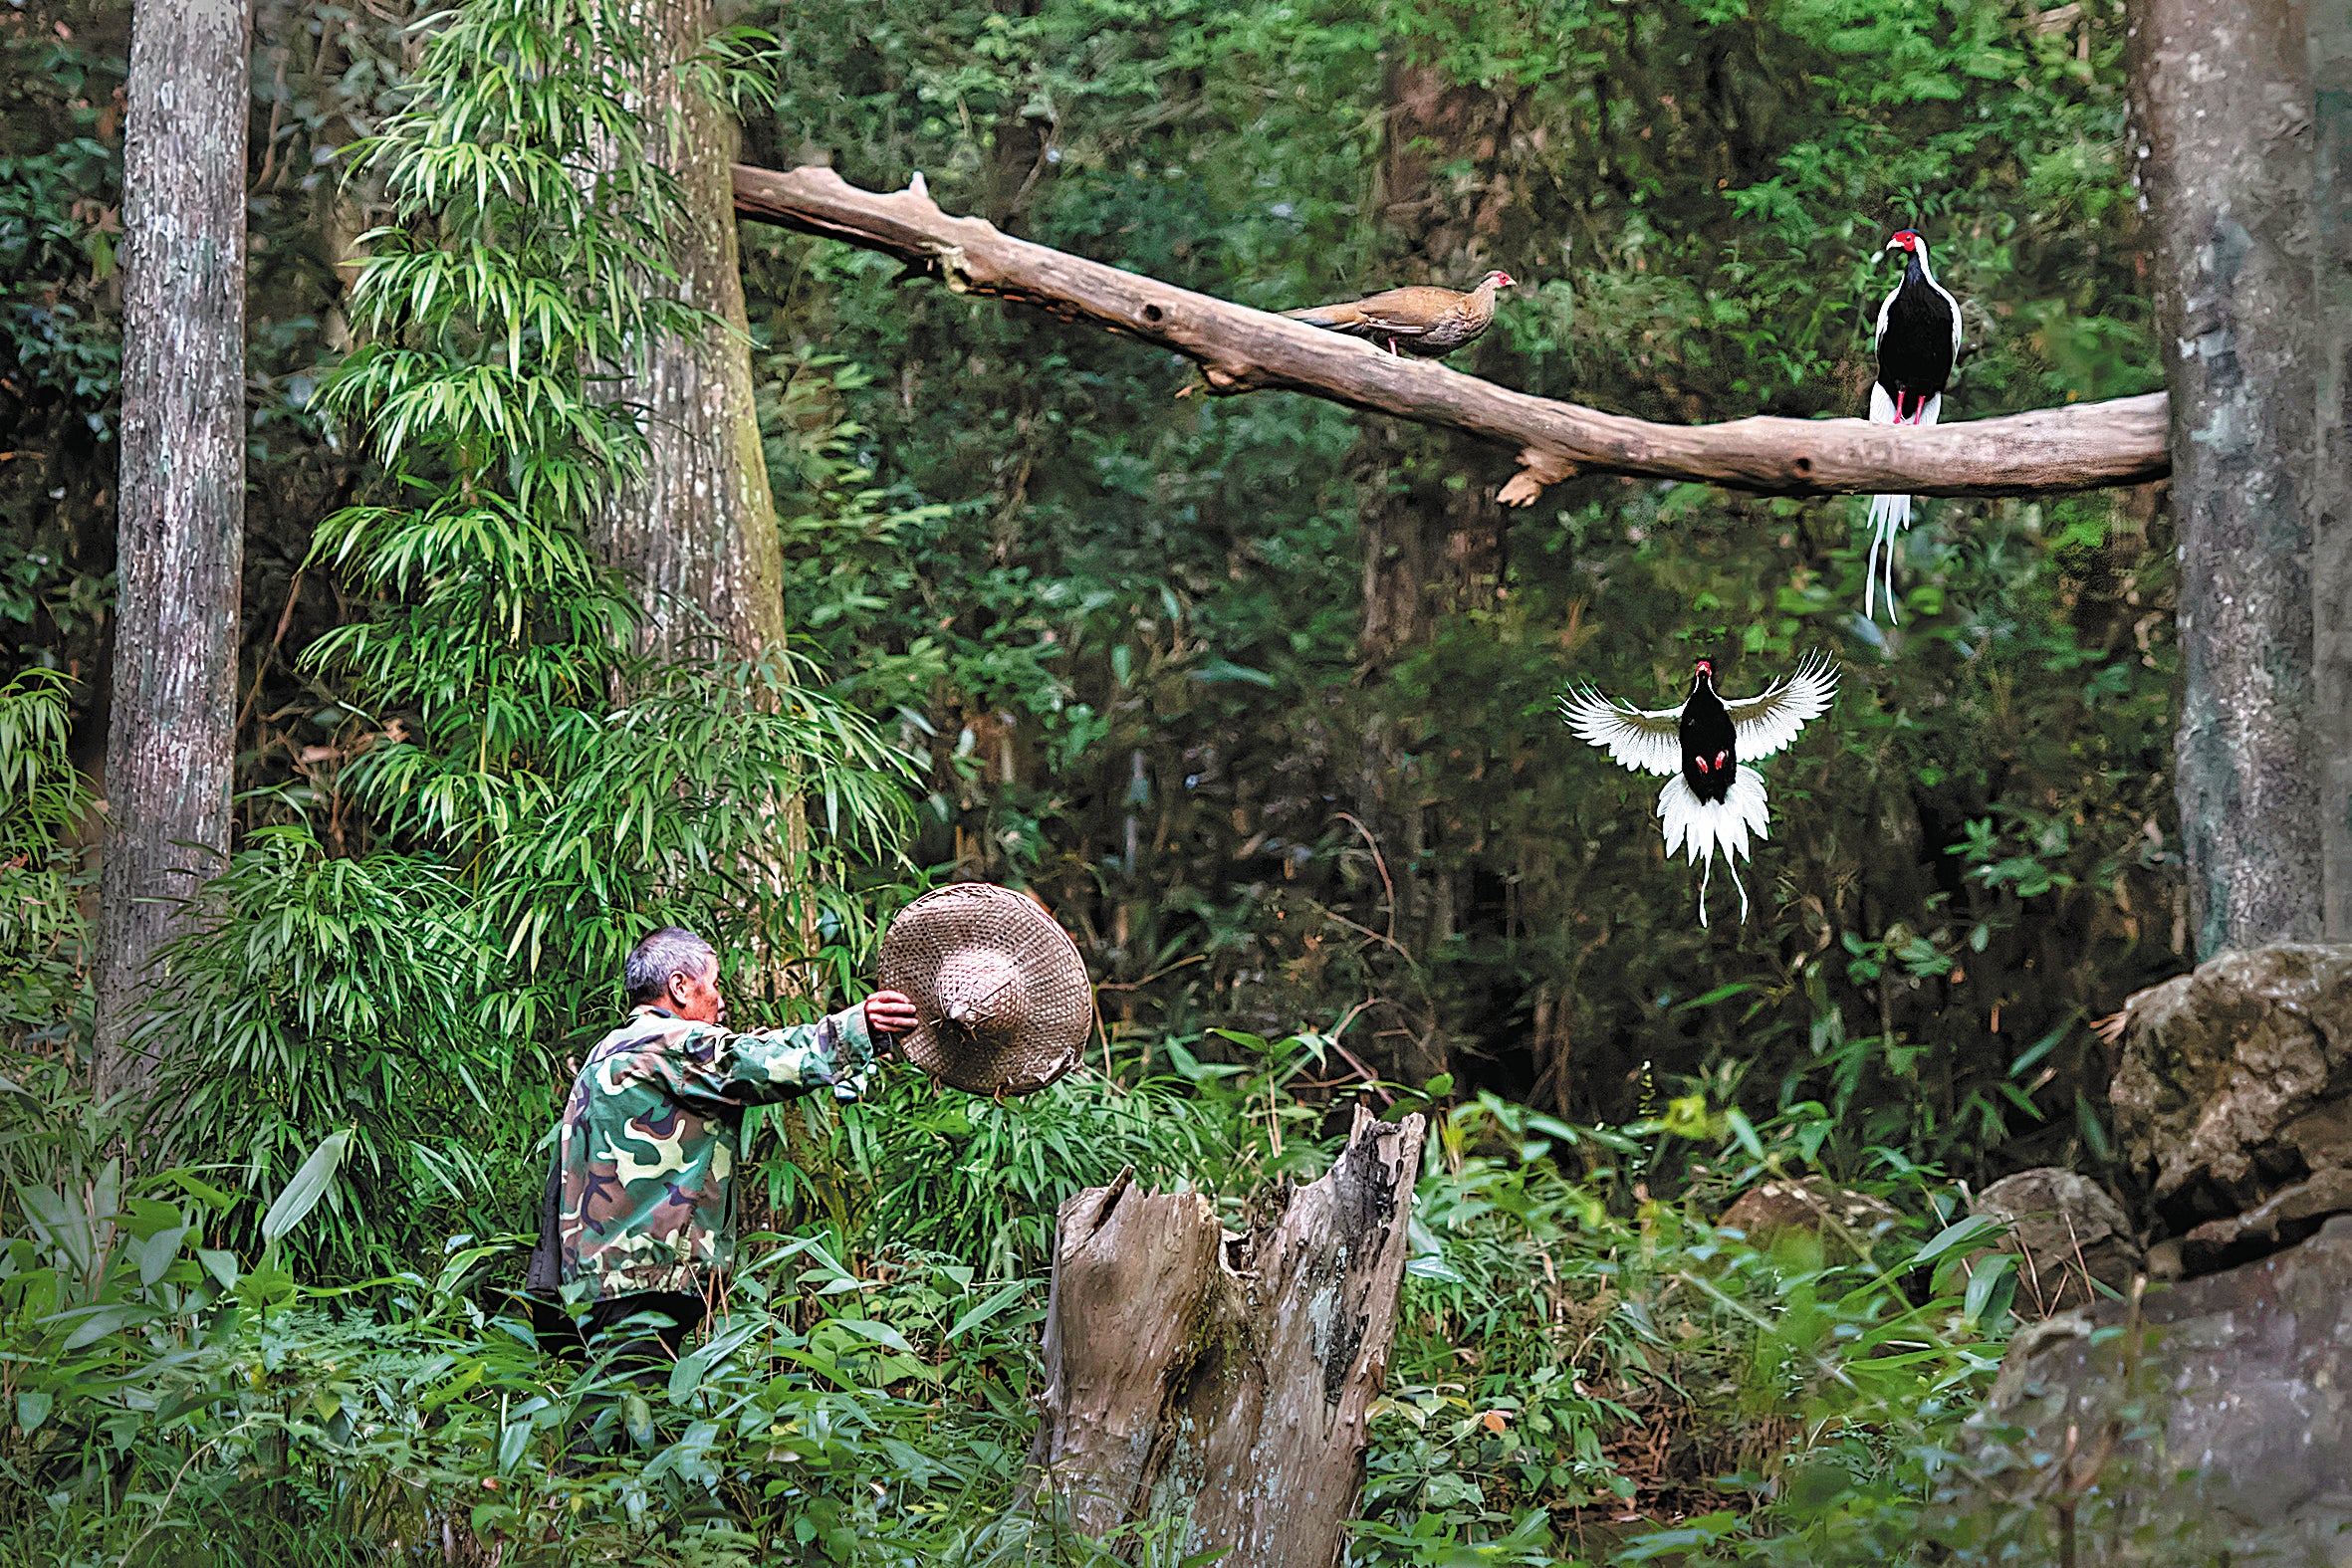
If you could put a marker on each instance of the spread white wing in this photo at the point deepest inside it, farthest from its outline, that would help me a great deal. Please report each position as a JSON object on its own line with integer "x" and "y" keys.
{"x": 1768, "y": 723}
{"x": 1646, "y": 741}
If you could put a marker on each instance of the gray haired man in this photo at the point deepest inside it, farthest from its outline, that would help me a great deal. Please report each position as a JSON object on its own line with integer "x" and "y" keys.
{"x": 639, "y": 1206}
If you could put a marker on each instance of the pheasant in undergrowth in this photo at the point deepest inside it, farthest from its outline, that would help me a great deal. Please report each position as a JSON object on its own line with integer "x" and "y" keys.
{"x": 1918, "y": 341}
{"x": 1421, "y": 319}
{"x": 1714, "y": 799}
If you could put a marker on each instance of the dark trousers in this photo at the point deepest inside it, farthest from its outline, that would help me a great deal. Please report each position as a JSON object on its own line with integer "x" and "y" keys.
{"x": 641, "y": 1350}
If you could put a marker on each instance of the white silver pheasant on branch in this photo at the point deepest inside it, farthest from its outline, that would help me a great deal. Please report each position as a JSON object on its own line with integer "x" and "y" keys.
{"x": 1918, "y": 341}
{"x": 1714, "y": 799}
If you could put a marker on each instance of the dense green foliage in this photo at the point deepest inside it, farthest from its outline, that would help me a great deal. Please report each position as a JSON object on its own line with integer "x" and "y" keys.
{"x": 1255, "y": 693}
{"x": 1198, "y": 670}
{"x": 513, "y": 828}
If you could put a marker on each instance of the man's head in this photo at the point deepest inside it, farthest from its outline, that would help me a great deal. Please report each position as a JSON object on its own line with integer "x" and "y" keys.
{"x": 677, "y": 970}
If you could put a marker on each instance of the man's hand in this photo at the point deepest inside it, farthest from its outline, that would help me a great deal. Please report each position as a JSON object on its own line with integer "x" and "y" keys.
{"x": 889, "y": 1013}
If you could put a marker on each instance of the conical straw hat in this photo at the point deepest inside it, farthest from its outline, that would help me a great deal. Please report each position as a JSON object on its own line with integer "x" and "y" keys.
{"x": 1000, "y": 989}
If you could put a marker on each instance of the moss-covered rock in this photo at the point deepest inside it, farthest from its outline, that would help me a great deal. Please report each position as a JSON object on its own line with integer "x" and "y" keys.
{"x": 2068, "y": 1232}
{"x": 2233, "y": 1099}
{"x": 2216, "y": 1426}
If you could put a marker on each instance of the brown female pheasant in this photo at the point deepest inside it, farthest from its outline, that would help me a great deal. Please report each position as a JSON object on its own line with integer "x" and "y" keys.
{"x": 1421, "y": 319}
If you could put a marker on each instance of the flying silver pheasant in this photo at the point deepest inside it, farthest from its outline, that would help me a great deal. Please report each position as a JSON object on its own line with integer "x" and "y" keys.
{"x": 1711, "y": 800}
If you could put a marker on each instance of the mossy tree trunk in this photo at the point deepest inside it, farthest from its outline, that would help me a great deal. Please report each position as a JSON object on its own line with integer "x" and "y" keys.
{"x": 2222, "y": 97}
{"x": 2331, "y": 517}
{"x": 181, "y": 526}
{"x": 1218, "y": 1388}
{"x": 698, "y": 531}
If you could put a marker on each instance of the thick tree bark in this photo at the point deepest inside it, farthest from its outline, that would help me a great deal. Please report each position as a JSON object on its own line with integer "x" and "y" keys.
{"x": 2222, "y": 95}
{"x": 2331, "y": 477}
{"x": 2083, "y": 446}
{"x": 181, "y": 528}
{"x": 1225, "y": 1384}
{"x": 699, "y": 531}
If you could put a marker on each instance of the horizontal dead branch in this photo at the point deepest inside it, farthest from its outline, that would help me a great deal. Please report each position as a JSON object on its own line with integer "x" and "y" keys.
{"x": 2083, "y": 446}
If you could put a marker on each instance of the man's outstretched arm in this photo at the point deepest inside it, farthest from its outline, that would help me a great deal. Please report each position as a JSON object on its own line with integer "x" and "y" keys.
{"x": 760, "y": 1066}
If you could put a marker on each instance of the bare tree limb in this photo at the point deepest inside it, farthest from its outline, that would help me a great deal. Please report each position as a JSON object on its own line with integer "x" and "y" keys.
{"x": 2079, "y": 447}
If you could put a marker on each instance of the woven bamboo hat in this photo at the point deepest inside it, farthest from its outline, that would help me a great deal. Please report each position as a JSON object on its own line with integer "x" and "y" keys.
{"x": 999, "y": 988}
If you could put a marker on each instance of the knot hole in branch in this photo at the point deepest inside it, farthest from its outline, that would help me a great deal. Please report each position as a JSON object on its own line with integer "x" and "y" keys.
{"x": 1152, "y": 313}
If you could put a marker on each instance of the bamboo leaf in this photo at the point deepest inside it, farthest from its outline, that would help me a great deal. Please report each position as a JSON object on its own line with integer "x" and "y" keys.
{"x": 301, "y": 1194}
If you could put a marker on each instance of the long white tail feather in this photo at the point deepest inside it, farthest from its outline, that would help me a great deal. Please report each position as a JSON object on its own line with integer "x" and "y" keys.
{"x": 1698, "y": 829}
{"x": 1732, "y": 871}
{"x": 1889, "y": 515}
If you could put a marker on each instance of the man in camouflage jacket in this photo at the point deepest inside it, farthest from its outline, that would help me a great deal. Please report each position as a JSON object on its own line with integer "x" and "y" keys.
{"x": 639, "y": 1215}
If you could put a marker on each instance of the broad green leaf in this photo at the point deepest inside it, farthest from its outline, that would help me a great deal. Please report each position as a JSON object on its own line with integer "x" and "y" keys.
{"x": 637, "y": 1417}
{"x": 515, "y": 1436}
{"x": 880, "y": 1333}
{"x": 309, "y": 1184}
{"x": 1988, "y": 1274}
{"x": 104, "y": 1321}
{"x": 1745, "y": 1132}
{"x": 156, "y": 1252}
{"x": 995, "y": 1303}
{"x": 1953, "y": 1234}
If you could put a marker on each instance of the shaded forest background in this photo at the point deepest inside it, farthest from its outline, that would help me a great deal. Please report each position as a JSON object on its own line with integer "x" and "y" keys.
{"x": 1257, "y": 694}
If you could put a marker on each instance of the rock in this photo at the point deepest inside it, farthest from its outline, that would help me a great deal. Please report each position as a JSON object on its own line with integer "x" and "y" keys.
{"x": 2062, "y": 1225}
{"x": 2288, "y": 1214}
{"x": 1775, "y": 1208}
{"x": 2233, "y": 1099}
{"x": 2222, "y": 1431}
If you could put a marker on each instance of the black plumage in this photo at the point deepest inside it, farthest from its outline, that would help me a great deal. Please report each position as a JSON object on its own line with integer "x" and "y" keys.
{"x": 1919, "y": 341}
{"x": 1710, "y": 743}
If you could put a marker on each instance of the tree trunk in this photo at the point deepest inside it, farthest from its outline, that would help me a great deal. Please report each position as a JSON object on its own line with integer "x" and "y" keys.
{"x": 698, "y": 531}
{"x": 2221, "y": 95}
{"x": 1223, "y": 1385}
{"x": 181, "y": 527}
{"x": 2331, "y": 475}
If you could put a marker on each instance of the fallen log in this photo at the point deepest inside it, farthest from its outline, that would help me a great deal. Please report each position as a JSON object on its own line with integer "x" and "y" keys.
{"x": 1210, "y": 1392}
{"x": 2083, "y": 446}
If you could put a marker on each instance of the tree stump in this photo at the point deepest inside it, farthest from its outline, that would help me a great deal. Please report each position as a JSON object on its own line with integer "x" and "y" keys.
{"x": 1217, "y": 1385}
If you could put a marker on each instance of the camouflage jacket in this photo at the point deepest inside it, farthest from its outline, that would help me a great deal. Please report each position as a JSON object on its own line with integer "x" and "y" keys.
{"x": 640, "y": 1186}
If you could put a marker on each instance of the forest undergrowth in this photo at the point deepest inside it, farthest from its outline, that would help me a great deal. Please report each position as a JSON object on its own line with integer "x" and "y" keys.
{"x": 326, "y": 1363}
{"x": 1581, "y": 1372}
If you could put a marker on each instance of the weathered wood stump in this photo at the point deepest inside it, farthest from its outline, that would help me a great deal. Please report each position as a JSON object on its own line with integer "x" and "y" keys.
{"x": 1217, "y": 1385}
